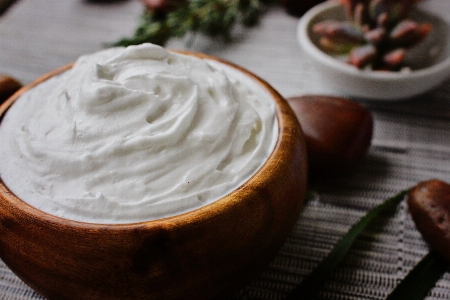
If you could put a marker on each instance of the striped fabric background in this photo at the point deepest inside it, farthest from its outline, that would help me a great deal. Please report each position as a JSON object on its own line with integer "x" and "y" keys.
{"x": 411, "y": 143}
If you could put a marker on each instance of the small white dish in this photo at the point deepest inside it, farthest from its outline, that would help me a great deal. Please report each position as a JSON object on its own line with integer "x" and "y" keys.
{"x": 429, "y": 61}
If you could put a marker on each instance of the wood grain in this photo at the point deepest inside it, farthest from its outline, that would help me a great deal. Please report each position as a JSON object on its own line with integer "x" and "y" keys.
{"x": 198, "y": 255}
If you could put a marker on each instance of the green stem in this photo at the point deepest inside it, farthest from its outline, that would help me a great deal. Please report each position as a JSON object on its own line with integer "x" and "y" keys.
{"x": 421, "y": 279}
{"x": 210, "y": 17}
{"x": 312, "y": 284}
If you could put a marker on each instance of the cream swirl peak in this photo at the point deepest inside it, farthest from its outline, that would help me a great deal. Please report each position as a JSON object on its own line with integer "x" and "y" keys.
{"x": 135, "y": 134}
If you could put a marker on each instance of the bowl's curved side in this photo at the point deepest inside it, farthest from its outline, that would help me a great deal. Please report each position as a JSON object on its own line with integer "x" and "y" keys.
{"x": 196, "y": 255}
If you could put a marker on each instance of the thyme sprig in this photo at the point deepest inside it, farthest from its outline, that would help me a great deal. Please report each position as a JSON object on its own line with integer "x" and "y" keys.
{"x": 215, "y": 18}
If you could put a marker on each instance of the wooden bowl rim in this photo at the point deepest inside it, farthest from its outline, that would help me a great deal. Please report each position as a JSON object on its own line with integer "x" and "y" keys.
{"x": 271, "y": 166}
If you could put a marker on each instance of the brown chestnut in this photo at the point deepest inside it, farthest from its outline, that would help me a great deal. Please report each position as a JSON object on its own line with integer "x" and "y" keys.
{"x": 429, "y": 205}
{"x": 8, "y": 86}
{"x": 338, "y": 132}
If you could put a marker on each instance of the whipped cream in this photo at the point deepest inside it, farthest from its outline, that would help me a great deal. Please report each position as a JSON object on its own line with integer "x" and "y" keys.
{"x": 135, "y": 134}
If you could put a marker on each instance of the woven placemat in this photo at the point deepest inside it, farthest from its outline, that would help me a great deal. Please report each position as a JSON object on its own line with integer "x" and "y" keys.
{"x": 411, "y": 143}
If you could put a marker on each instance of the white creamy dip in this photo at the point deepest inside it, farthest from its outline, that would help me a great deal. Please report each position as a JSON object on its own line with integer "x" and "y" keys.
{"x": 135, "y": 134}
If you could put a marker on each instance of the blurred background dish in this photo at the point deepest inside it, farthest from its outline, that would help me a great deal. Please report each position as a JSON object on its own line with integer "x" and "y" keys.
{"x": 429, "y": 61}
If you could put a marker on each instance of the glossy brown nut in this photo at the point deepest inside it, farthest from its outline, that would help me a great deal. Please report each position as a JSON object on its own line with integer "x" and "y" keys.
{"x": 8, "y": 86}
{"x": 429, "y": 205}
{"x": 338, "y": 133}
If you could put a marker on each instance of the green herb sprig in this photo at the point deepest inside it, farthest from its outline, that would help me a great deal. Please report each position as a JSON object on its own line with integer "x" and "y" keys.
{"x": 312, "y": 284}
{"x": 210, "y": 17}
{"x": 415, "y": 286}
{"x": 421, "y": 279}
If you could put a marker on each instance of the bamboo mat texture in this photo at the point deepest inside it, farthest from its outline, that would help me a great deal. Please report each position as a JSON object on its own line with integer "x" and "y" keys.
{"x": 411, "y": 142}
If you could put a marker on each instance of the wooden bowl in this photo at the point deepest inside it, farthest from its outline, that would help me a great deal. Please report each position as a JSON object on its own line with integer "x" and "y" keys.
{"x": 202, "y": 254}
